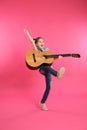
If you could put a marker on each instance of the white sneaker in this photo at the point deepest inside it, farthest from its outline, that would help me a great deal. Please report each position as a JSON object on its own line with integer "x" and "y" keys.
{"x": 60, "y": 73}
{"x": 43, "y": 106}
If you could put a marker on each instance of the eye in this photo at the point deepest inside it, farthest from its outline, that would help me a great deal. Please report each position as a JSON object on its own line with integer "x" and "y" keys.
{"x": 40, "y": 41}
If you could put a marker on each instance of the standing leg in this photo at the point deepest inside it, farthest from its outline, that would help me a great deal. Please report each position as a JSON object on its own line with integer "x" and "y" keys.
{"x": 48, "y": 78}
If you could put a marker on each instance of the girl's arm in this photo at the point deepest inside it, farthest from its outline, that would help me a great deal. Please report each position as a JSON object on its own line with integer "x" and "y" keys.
{"x": 30, "y": 38}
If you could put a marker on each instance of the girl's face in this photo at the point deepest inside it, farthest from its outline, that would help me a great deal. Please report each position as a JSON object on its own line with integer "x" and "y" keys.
{"x": 40, "y": 43}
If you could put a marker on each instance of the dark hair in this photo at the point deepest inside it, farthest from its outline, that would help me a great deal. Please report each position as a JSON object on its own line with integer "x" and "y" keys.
{"x": 37, "y": 39}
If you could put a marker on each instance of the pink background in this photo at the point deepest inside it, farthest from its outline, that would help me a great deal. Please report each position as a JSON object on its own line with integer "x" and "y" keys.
{"x": 63, "y": 25}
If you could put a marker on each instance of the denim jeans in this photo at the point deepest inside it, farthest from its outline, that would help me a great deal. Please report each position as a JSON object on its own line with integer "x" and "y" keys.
{"x": 47, "y": 71}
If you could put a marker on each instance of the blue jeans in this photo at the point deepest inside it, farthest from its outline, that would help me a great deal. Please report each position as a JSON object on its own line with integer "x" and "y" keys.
{"x": 47, "y": 71}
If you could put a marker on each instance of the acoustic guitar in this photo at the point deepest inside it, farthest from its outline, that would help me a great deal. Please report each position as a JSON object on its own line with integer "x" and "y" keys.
{"x": 35, "y": 58}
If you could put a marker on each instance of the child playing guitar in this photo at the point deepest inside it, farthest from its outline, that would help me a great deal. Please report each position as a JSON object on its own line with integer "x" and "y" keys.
{"x": 46, "y": 70}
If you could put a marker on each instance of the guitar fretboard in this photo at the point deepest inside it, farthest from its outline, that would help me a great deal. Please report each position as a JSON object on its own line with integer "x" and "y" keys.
{"x": 56, "y": 56}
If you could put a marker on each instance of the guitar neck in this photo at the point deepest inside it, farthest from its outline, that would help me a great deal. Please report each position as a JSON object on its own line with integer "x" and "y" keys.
{"x": 56, "y": 56}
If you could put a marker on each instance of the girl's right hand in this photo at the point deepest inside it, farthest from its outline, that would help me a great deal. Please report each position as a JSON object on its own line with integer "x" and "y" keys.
{"x": 26, "y": 31}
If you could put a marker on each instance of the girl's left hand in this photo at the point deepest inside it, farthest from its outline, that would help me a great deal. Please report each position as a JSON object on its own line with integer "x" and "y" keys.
{"x": 60, "y": 57}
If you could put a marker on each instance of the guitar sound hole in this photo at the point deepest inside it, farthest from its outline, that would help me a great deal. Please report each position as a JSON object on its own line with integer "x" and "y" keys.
{"x": 34, "y": 57}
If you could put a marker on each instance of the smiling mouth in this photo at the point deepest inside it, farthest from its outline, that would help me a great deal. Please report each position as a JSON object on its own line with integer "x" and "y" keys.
{"x": 42, "y": 45}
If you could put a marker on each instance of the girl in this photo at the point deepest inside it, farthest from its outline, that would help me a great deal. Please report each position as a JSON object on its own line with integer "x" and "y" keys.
{"x": 46, "y": 70}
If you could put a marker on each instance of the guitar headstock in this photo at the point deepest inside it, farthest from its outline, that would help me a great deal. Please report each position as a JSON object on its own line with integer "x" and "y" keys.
{"x": 76, "y": 55}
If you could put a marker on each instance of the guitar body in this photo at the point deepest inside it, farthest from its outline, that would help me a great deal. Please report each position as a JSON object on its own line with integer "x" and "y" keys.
{"x": 35, "y": 58}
